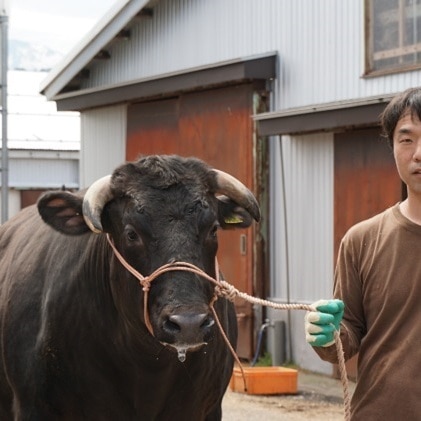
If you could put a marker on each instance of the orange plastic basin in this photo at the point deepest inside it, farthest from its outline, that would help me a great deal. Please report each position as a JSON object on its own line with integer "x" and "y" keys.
{"x": 265, "y": 380}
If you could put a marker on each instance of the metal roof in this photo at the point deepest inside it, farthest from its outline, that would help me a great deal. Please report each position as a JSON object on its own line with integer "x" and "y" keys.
{"x": 33, "y": 122}
{"x": 260, "y": 67}
{"x": 322, "y": 117}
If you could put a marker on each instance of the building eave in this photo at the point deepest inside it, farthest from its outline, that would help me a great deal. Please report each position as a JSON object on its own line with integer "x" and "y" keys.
{"x": 323, "y": 117}
{"x": 261, "y": 67}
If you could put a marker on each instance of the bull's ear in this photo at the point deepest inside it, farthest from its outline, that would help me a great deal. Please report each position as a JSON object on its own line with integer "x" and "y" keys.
{"x": 231, "y": 215}
{"x": 63, "y": 211}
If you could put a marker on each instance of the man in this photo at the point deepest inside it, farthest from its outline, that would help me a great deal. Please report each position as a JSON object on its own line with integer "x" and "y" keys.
{"x": 378, "y": 278}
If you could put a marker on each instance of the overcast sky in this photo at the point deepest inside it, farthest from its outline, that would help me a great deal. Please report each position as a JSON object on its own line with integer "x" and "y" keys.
{"x": 58, "y": 24}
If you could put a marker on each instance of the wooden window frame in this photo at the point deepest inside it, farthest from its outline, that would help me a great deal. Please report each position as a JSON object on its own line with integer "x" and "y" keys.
{"x": 372, "y": 57}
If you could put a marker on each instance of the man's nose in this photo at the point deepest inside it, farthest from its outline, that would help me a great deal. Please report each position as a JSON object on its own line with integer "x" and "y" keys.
{"x": 417, "y": 151}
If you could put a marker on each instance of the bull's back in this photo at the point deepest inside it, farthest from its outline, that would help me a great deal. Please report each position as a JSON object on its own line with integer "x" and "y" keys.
{"x": 31, "y": 257}
{"x": 29, "y": 248}
{"x": 18, "y": 232}
{"x": 24, "y": 244}
{"x": 17, "y": 236}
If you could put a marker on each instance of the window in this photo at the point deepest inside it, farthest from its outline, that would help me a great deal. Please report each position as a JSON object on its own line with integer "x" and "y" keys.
{"x": 393, "y": 41}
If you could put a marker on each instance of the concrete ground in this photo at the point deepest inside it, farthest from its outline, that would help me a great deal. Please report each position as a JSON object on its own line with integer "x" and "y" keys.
{"x": 319, "y": 398}
{"x": 328, "y": 388}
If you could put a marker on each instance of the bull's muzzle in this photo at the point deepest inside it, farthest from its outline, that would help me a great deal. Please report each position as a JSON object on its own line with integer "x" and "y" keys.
{"x": 191, "y": 329}
{"x": 186, "y": 331}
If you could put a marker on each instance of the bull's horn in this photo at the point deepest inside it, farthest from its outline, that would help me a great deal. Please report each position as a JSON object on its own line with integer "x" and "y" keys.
{"x": 237, "y": 191}
{"x": 94, "y": 201}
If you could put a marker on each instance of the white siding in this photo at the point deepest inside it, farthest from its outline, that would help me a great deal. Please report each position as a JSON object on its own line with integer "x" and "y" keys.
{"x": 320, "y": 45}
{"x": 43, "y": 143}
{"x": 308, "y": 171}
{"x": 301, "y": 261}
{"x": 43, "y": 169}
{"x": 103, "y": 144}
{"x": 48, "y": 173}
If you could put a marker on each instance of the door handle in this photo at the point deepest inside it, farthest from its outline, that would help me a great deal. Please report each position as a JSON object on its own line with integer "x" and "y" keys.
{"x": 243, "y": 244}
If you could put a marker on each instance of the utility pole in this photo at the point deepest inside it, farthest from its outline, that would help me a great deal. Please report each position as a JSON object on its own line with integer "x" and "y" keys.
{"x": 4, "y": 22}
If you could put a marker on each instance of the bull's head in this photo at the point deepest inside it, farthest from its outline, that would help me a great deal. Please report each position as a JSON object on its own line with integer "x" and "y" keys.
{"x": 163, "y": 209}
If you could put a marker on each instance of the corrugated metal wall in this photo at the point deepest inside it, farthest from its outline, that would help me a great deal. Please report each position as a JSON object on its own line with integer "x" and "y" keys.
{"x": 103, "y": 144}
{"x": 47, "y": 173}
{"x": 302, "y": 240}
{"x": 320, "y": 44}
{"x": 308, "y": 164}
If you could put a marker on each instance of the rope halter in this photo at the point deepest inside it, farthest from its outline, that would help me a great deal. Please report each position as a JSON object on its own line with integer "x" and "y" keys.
{"x": 224, "y": 289}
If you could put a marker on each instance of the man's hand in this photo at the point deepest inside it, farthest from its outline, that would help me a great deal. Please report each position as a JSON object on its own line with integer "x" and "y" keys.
{"x": 320, "y": 325}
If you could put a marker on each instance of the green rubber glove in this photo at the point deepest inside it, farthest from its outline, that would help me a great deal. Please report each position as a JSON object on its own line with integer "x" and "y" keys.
{"x": 320, "y": 325}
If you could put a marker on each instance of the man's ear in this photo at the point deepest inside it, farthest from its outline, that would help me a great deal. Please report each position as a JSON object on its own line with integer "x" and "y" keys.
{"x": 62, "y": 210}
{"x": 231, "y": 215}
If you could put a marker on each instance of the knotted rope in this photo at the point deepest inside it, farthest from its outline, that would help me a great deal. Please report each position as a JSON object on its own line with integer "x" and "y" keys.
{"x": 226, "y": 290}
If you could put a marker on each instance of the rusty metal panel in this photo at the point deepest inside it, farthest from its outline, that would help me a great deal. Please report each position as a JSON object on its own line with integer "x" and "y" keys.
{"x": 152, "y": 128}
{"x": 215, "y": 126}
{"x": 366, "y": 180}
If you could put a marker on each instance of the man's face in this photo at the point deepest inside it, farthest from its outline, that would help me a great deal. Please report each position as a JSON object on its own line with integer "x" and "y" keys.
{"x": 407, "y": 151}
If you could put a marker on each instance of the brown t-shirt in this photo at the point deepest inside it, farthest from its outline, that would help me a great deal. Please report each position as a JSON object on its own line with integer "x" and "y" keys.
{"x": 378, "y": 276}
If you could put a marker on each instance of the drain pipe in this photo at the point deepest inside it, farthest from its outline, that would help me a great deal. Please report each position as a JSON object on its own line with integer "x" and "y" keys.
{"x": 259, "y": 341}
{"x": 286, "y": 239}
{"x": 276, "y": 336}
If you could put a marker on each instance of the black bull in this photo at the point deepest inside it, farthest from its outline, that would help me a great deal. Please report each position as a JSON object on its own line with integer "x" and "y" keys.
{"x": 73, "y": 340}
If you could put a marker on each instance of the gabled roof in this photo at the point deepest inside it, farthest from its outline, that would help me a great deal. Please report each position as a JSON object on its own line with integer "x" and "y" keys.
{"x": 64, "y": 84}
{"x": 111, "y": 27}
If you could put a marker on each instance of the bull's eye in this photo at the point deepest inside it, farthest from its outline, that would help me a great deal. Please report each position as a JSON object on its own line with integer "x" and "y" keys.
{"x": 131, "y": 235}
{"x": 214, "y": 231}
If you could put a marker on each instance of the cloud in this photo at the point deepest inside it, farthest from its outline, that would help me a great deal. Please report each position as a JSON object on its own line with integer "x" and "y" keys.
{"x": 74, "y": 8}
{"x": 59, "y": 32}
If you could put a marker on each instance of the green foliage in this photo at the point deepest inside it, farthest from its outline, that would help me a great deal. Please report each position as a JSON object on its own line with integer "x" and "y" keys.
{"x": 264, "y": 361}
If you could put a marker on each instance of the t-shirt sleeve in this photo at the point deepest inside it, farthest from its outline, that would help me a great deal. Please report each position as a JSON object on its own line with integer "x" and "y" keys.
{"x": 348, "y": 288}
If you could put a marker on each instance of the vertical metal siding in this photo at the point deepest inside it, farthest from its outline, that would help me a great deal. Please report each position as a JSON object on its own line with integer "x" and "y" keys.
{"x": 308, "y": 254}
{"x": 103, "y": 145}
{"x": 308, "y": 170}
{"x": 310, "y": 215}
{"x": 38, "y": 173}
{"x": 321, "y": 46}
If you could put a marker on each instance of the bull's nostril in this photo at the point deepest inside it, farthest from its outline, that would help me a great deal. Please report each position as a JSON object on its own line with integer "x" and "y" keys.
{"x": 171, "y": 327}
{"x": 183, "y": 323}
{"x": 207, "y": 323}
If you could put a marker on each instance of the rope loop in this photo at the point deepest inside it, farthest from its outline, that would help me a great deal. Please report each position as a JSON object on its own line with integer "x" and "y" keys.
{"x": 226, "y": 290}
